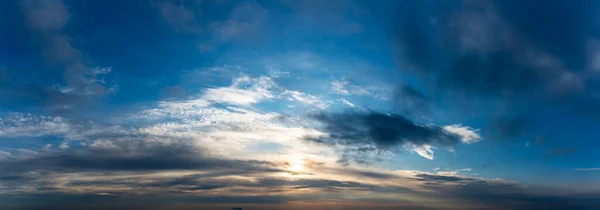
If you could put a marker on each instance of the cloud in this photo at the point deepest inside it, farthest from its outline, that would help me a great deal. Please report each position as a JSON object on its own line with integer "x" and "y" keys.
{"x": 28, "y": 125}
{"x": 244, "y": 90}
{"x": 129, "y": 156}
{"x": 384, "y": 132}
{"x": 63, "y": 145}
{"x": 425, "y": 150}
{"x": 587, "y": 169}
{"x": 350, "y": 104}
{"x": 460, "y": 172}
{"x": 205, "y": 187}
{"x": 306, "y": 99}
{"x": 178, "y": 16}
{"x": 411, "y": 101}
{"x": 468, "y": 135}
{"x": 344, "y": 87}
{"x": 245, "y": 24}
{"x": 47, "y": 20}
{"x": 473, "y": 57}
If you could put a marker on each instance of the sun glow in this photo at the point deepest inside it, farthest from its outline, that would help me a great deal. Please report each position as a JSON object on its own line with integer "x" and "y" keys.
{"x": 296, "y": 163}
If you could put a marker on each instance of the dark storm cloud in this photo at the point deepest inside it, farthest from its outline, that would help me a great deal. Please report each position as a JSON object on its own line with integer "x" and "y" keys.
{"x": 381, "y": 130}
{"x": 500, "y": 55}
{"x": 361, "y": 133}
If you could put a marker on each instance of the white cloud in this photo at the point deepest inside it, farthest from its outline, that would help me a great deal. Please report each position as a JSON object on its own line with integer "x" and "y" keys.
{"x": 64, "y": 145}
{"x": 467, "y": 134}
{"x": 347, "y": 102}
{"x": 276, "y": 73}
{"x": 425, "y": 150}
{"x": 28, "y": 125}
{"x": 5, "y": 155}
{"x": 101, "y": 70}
{"x": 306, "y": 98}
{"x": 460, "y": 172}
{"x": 234, "y": 96}
{"x": 344, "y": 87}
{"x": 226, "y": 130}
{"x": 243, "y": 91}
{"x": 103, "y": 144}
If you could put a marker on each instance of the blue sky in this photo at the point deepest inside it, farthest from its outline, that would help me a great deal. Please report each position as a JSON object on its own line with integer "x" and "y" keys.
{"x": 299, "y": 104}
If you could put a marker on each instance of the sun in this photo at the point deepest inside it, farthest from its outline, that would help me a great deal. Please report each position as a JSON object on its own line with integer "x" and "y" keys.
{"x": 296, "y": 164}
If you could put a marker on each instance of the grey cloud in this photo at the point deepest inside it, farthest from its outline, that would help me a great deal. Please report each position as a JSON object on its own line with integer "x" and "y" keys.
{"x": 471, "y": 193}
{"x": 513, "y": 196}
{"x": 143, "y": 158}
{"x": 361, "y": 132}
{"x": 379, "y": 129}
{"x": 50, "y": 15}
{"x": 497, "y": 55}
{"x": 179, "y": 16}
{"x": 47, "y": 20}
{"x": 429, "y": 177}
{"x": 48, "y": 97}
{"x": 245, "y": 22}
{"x": 412, "y": 101}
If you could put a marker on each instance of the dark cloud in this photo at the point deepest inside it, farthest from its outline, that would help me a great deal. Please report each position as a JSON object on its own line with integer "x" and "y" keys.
{"x": 138, "y": 156}
{"x": 47, "y": 20}
{"x": 499, "y": 56}
{"x": 411, "y": 101}
{"x": 381, "y": 130}
{"x": 512, "y": 196}
{"x": 471, "y": 193}
{"x": 482, "y": 193}
{"x": 362, "y": 132}
{"x": 429, "y": 178}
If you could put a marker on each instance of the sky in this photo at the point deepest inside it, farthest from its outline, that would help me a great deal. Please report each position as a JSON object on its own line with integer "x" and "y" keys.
{"x": 299, "y": 104}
